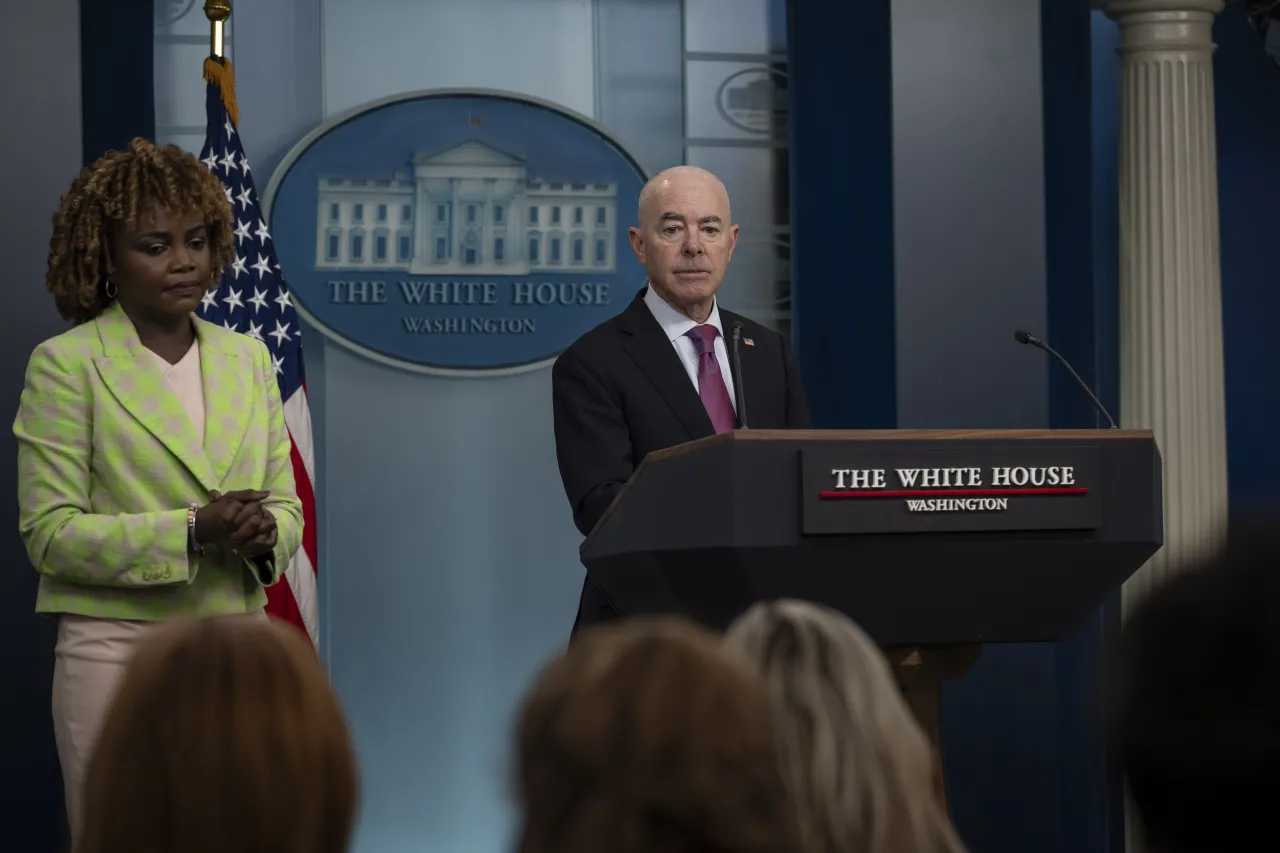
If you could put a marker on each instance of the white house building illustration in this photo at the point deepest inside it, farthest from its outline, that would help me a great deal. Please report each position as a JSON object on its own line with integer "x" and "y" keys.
{"x": 467, "y": 210}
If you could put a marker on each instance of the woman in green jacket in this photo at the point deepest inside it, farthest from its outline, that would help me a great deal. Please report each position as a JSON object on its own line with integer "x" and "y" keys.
{"x": 153, "y": 460}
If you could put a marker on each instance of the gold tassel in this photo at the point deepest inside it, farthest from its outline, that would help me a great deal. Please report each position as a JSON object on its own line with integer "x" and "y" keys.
{"x": 221, "y": 73}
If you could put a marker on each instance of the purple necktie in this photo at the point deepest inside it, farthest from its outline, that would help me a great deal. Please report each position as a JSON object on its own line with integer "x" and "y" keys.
{"x": 711, "y": 387}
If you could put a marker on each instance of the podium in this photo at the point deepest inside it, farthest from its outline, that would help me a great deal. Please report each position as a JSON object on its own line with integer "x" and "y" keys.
{"x": 934, "y": 541}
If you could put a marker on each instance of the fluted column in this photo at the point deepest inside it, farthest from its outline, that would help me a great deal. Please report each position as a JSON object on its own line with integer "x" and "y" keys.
{"x": 1170, "y": 282}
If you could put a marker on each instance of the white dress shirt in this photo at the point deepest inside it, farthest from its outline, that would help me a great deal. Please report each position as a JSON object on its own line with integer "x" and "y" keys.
{"x": 676, "y": 326}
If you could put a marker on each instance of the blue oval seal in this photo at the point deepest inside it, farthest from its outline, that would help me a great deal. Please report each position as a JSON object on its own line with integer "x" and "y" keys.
{"x": 457, "y": 232}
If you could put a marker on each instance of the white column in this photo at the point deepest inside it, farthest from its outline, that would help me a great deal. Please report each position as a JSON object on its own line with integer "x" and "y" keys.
{"x": 424, "y": 213}
{"x": 1170, "y": 283}
{"x": 455, "y": 223}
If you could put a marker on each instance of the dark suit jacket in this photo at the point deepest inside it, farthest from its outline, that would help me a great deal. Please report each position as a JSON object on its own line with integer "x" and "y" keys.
{"x": 620, "y": 392}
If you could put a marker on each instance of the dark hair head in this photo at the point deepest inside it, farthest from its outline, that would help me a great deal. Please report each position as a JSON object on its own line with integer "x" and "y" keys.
{"x": 115, "y": 193}
{"x": 646, "y": 737}
{"x": 224, "y": 738}
{"x": 1196, "y": 719}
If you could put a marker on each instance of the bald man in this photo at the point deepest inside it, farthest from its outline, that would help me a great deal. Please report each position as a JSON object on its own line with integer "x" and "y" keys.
{"x": 659, "y": 374}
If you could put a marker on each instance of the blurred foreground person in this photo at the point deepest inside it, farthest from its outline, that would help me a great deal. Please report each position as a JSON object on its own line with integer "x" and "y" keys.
{"x": 224, "y": 738}
{"x": 154, "y": 472}
{"x": 860, "y": 768}
{"x": 1196, "y": 716}
{"x": 646, "y": 737}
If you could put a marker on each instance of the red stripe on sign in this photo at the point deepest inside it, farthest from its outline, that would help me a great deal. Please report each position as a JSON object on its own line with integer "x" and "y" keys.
{"x": 952, "y": 493}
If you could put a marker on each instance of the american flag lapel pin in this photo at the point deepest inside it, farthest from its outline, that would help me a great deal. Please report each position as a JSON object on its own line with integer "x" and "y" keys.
{"x": 749, "y": 342}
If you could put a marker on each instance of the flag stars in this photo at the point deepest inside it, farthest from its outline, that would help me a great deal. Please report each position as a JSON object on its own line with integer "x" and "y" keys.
{"x": 258, "y": 300}
{"x": 270, "y": 321}
{"x": 263, "y": 266}
{"x": 281, "y": 333}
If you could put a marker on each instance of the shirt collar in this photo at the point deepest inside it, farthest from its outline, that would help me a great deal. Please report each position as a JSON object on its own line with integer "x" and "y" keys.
{"x": 189, "y": 361}
{"x": 675, "y": 324}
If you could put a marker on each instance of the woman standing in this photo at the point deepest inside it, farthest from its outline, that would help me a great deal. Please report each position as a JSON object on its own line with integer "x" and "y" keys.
{"x": 154, "y": 477}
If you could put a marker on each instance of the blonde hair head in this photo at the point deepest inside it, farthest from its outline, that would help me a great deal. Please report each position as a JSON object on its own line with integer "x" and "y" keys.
{"x": 859, "y": 766}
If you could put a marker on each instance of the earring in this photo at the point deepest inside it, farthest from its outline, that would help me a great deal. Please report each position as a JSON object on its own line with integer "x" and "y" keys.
{"x": 111, "y": 289}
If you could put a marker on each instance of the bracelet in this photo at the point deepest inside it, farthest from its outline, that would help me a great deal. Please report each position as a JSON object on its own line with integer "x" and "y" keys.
{"x": 196, "y": 547}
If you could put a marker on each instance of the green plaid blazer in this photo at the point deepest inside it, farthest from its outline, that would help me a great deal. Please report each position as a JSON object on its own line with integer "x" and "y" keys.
{"x": 108, "y": 462}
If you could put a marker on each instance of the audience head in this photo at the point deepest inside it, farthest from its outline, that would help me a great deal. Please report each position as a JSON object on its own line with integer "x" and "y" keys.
{"x": 1196, "y": 715}
{"x": 224, "y": 738}
{"x": 148, "y": 226}
{"x": 684, "y": 237}
{"x": 860, "y": 768}
{"x": 646, "y": 737}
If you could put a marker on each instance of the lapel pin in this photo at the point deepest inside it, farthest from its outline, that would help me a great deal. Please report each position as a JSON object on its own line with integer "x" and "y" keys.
{"x": 749, "y": 342}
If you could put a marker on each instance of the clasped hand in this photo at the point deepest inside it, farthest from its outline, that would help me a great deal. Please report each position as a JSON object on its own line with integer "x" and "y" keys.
{"x": 237, "y": 522}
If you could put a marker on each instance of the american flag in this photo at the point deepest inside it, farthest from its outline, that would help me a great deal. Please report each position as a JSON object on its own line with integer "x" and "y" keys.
{"x": 253, "y": 299}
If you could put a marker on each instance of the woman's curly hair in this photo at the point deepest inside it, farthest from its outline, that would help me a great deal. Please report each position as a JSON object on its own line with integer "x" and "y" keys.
{"x": 116, "y": 192}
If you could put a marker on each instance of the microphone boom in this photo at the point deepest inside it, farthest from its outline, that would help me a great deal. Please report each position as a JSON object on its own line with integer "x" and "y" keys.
{"x": 738, "y": 390}
{"x": 1031, "y": 340}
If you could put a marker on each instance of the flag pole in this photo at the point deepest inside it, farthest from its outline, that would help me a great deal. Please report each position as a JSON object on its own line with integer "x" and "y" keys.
{"x": 217, "y": 68}
{"x": 217, "y": 11}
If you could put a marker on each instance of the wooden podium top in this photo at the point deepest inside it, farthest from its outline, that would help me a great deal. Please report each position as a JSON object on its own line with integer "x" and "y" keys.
{"x": 902, "y": 435}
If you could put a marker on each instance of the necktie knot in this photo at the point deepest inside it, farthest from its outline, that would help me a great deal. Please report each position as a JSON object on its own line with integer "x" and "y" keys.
{"x": 703, "y": 337}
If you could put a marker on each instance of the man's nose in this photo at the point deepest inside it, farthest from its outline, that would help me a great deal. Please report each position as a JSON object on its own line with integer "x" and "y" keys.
{"x": 693, "y": 244}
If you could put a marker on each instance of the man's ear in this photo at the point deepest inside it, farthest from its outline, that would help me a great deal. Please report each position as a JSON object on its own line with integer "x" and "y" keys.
{"x": 637, "y": 243}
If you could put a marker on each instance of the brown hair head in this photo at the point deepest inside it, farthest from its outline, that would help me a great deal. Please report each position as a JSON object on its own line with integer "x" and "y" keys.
{"x": 646, "y": 737}
{"x": 224, "y": 738}
{"x": 118, "y": 191}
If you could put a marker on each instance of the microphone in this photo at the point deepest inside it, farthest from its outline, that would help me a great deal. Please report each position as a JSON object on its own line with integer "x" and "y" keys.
{"x": 1031, "y": 340}
{"x": 737, "y": 373}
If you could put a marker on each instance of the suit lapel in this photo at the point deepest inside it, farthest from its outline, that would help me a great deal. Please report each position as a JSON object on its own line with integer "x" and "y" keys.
{"x": 226, "y": 375}
{"x": 648, "y": 346}
{"x": 135, "y": 380}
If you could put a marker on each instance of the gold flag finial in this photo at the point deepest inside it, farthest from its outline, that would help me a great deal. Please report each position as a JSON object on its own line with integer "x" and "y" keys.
{"x": 217, "y": 68}
{"x": 217, "y": 11}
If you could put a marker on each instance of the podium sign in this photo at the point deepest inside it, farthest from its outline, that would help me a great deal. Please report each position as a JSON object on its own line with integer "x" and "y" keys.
{"x": 913, "y": 488}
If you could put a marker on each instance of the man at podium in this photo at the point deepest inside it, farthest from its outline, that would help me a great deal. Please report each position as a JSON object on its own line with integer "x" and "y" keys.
{"x": 673, "y": 366}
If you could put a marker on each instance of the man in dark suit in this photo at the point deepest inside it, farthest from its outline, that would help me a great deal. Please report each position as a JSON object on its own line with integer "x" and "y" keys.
{"x": 659, "y": 373}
